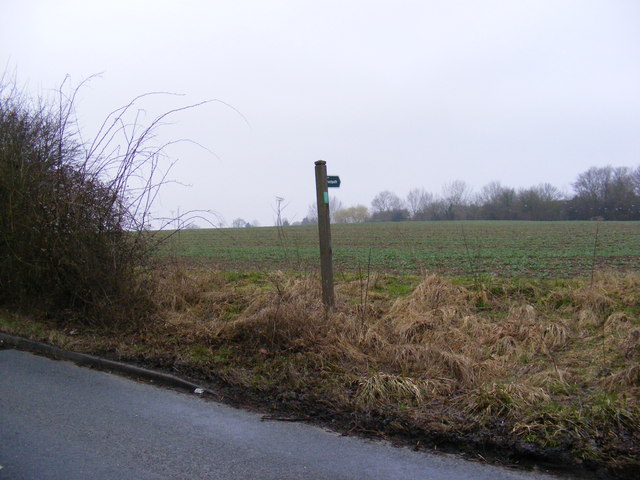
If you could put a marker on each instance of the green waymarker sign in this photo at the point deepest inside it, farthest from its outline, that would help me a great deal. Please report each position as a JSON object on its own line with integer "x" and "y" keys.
{"x": 333, "y": 181}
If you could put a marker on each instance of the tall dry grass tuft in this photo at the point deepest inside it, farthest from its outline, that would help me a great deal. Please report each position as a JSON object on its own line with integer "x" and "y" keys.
{"x": 630, "y": 344}
{"x": 431, "y": 362}
{"x": 289, "y": 317}
{"x": 509, "y": 400}
{"x": 624, "y": 286}
{"x": 608, "y": 291}
{"x": 424, "y": 335}
{"x": 195, "y": 301}
{"x": 178, "y": 289}
{"x": 381, "y": 389}
{"x": 435, "y": 304}
{"x": 624, "y": 379}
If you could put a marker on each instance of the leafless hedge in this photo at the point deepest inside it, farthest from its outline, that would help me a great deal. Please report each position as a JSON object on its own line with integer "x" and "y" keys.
{"x": 73, "y": 215}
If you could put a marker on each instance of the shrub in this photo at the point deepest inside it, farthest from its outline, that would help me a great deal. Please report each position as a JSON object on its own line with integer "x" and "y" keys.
{"x": 72, "y": 237}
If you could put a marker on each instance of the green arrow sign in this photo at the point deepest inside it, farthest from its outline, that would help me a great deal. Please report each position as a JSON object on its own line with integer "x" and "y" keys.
{"x": 333, "y": 181}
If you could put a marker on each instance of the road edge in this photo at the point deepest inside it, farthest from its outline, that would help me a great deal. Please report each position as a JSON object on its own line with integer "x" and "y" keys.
{"x": 546, "y": 464}
{"x": 85, "y": 360}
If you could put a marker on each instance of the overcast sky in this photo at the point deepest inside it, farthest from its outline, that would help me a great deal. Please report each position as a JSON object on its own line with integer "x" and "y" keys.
{"x": 392, "y": 94}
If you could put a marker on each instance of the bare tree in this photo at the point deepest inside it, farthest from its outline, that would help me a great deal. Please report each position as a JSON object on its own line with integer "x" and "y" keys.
{"x": 542, "y": 202}
{"x": 636, "y": 180}
{"x": 418, "y": 200}
{"x": 388, "y": 207}
{"x": 497, "y": 202}
{"x": 334, "y": 205}
{"x": 456, "y": 192}
{"x": 606, "y": 192}
{"x": 548, "y": 192}
{"x": 239, "y": 223}
{"x": 455, "y": 196}
{"x": 386, "y": 201}
{"x": 312, "y": 215}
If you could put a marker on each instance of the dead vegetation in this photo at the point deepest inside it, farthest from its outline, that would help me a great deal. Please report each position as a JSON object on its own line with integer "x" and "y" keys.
{"x": 75, "y": 212}
{"x": 542, "y": 364}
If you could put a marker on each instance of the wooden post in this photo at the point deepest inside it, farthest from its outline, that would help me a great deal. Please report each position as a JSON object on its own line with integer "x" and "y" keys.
{"x": 324, "y": 231}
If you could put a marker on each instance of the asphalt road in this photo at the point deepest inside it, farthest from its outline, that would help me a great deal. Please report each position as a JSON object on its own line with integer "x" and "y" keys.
{"x": 61, "y": 421}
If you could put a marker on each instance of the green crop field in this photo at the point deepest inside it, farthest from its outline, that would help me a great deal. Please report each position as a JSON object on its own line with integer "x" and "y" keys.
{"x": 507, "y": 248}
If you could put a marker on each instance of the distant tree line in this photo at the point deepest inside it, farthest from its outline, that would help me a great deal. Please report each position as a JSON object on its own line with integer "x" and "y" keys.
{"x": 242, "y": 223}
{"x": 608, "y": 193}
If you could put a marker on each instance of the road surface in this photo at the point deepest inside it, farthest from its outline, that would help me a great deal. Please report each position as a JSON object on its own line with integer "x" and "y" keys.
{"x": 61, "y": 421}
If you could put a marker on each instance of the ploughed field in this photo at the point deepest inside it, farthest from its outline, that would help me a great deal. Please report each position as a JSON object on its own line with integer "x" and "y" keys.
{"x": 469, "y": 248}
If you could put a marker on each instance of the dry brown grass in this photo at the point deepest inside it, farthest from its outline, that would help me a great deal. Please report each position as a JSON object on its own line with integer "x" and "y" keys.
{"x": 510, "y": 400}
{"x": 382, "y": 388}
{"x": 559, "y": 367}
{"x": 626, "y": 378}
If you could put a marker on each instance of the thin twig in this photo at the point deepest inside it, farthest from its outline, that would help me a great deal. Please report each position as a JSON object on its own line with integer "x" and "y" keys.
{"x": 595, "y": 249}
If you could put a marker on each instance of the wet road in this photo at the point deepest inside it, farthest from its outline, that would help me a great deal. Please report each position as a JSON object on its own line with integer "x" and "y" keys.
{"x": 61, "y": 421}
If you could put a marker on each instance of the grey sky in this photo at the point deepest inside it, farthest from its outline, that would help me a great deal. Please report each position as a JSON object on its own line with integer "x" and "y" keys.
{"x": 392, "y": 94}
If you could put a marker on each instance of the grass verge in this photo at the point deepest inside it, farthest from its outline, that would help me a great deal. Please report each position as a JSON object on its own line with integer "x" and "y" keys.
{"x": 521, "y": 367}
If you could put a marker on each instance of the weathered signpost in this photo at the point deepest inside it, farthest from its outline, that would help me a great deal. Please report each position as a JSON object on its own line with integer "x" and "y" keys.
{"x": 323, "y": 182}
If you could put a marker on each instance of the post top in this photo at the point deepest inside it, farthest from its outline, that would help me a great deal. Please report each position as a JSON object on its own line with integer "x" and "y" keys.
{"x": 321, "y": 162}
